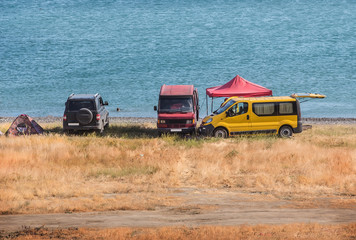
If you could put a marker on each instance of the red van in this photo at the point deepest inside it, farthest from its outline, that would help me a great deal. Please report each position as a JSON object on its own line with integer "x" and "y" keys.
{"x": 178, "y": 109}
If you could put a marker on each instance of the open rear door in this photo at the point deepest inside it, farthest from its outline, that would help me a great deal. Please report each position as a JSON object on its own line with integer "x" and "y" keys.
{"x": 307, "y": 95}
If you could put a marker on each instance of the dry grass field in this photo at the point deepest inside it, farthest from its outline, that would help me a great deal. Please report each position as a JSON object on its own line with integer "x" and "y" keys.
{"x": 265, "y": 232}
{"x": 130, "y": 168}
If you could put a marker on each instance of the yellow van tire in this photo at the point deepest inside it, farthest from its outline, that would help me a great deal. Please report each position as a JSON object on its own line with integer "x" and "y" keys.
{"x": 221, "y": 133}
{"x": 285, "y": 131}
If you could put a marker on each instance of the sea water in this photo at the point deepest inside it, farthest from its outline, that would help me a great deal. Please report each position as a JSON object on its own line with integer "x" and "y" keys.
{"x": 125, "y": 50}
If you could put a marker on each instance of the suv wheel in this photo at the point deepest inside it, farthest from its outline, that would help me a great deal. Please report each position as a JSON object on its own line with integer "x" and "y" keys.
{"x": 84, "y": 116}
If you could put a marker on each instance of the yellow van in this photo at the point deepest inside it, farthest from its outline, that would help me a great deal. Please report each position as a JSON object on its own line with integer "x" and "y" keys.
{"x": 239, "y": 115}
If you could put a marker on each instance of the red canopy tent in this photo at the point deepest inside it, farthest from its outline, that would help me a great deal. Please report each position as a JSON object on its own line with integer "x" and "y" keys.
{"x": 238, "y": 87}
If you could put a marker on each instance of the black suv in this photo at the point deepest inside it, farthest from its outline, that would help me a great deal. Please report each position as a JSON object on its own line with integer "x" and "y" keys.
{"x": 85, "y": 112}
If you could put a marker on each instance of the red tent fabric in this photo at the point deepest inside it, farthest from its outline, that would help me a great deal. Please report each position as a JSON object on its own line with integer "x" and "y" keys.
{"x": 238, "y": 87}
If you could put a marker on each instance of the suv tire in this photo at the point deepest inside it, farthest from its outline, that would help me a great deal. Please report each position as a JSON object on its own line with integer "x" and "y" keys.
{"x": 84, "y": 116}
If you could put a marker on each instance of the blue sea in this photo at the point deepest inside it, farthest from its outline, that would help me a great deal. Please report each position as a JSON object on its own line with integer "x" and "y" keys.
{"x": 125, "y": 50}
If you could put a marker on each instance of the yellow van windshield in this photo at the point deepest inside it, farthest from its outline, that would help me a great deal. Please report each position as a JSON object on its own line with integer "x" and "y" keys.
{"x": 226, "y": 106}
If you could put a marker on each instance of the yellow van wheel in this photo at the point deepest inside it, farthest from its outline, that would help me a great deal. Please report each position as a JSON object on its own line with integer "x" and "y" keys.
{"x": 220, "y": 133}
{"x": 285, "y": 132}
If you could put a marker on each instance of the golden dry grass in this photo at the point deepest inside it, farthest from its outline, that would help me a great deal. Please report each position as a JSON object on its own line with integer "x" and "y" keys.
{"x": 266, "y": 232}
{"x": 130, "y": 168}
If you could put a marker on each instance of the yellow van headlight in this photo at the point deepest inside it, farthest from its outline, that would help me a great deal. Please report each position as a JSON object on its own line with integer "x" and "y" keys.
{"x": 209, "y": 120}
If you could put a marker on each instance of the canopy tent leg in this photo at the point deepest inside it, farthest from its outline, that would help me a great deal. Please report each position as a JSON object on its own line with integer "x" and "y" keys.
{"x": 212, "y": 104}
{"x": 207, "y": 105}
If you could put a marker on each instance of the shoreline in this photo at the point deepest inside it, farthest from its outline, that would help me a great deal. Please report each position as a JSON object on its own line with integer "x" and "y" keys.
{"x": 329, "y": 121}
{"x": 53, "y": 119}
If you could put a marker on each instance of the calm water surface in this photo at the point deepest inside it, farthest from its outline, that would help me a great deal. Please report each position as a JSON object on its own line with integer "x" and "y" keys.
{"x": 126, "y": 50}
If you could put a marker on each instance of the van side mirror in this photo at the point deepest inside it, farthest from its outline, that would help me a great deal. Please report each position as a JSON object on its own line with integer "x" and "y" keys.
{"x": 106, "y": 103}
{"x": 155, "y": 108}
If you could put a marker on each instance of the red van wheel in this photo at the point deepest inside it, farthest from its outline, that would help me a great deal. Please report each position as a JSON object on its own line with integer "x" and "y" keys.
{"x": 220, "y": 133}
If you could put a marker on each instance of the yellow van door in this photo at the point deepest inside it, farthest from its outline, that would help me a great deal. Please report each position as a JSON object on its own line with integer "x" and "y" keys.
{"x": 238, "y": 118}
{"x": 264, "y": 117}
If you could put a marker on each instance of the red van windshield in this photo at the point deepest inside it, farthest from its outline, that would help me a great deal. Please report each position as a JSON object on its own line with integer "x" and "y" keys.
{"x": 176, "y": 104}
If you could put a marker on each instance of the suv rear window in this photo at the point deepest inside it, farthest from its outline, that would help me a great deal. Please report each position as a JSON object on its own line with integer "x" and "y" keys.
{"x": 77, "y": 105}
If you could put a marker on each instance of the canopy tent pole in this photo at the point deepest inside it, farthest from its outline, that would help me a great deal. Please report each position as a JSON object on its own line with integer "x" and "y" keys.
{"x": 212, "y": 103}
{"x": 207, "y": 105}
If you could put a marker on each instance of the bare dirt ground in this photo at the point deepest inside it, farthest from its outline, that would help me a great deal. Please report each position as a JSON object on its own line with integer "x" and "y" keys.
{"x": 199, "y": 207}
